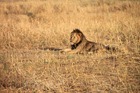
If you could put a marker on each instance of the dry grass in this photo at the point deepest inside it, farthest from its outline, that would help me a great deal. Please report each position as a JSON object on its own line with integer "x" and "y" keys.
{"x": 26, "y": 26}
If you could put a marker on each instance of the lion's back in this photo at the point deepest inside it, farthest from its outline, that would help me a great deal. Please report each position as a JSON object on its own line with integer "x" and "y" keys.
{"x": 93, "y": 47}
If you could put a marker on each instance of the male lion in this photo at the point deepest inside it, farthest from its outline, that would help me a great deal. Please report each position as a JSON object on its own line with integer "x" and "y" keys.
{"x": 79, "y": 44}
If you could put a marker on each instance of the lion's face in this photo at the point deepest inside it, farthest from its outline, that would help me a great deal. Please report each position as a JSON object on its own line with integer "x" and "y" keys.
{"x": 75, "y": 38}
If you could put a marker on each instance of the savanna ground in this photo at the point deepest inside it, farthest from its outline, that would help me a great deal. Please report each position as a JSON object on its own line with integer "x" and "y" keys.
{"x": 26, "y": 26}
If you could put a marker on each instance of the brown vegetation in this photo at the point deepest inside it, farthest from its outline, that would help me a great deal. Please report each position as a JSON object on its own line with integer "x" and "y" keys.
{"x": 26, "y": 26}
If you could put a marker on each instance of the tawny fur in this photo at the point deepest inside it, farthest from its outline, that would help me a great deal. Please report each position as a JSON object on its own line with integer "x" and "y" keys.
{"x": 79, "y": 44}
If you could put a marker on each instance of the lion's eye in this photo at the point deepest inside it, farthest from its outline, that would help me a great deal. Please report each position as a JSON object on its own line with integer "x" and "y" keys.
{"x": 71, "y": 38}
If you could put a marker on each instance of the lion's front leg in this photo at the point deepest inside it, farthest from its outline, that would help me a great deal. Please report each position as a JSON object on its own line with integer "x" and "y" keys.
{"x": 70, "y": 51}
{"x": 65, "y": 50}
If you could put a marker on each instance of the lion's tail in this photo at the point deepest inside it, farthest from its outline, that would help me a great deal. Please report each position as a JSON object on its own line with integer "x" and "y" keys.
{"x": 51, "y": 49}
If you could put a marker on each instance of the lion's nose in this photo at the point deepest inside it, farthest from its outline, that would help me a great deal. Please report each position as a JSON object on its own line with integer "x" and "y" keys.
{"x": 71, "y": 43}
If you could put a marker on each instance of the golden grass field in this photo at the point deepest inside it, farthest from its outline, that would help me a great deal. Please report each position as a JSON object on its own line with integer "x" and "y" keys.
{"x": 27, "y": 26}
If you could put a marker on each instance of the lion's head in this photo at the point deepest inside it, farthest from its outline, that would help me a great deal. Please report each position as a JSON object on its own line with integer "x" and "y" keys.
{"x": 76, "y": 38}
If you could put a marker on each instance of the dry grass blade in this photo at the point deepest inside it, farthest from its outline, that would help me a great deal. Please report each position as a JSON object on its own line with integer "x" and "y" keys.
{"x": 30, "y": 29}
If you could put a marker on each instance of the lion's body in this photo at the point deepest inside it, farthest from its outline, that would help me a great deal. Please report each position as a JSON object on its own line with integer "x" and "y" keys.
{"x": 79, "y": 44}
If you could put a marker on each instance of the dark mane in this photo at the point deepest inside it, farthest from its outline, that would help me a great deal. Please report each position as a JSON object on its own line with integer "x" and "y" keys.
{"x": 76, "y": 31}
{"x": 74, "y": 46}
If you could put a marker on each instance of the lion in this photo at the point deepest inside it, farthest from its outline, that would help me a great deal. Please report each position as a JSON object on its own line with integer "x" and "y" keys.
{"x": 79, "y": 44}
